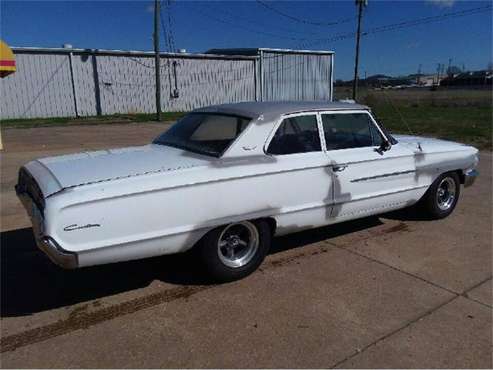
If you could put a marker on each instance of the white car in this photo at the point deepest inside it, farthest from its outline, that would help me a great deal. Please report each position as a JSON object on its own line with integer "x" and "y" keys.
{"x": 225, "y": 179}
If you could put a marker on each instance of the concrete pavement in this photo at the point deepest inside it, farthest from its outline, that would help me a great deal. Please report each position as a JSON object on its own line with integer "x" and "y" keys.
{"x": 390, "y": 291}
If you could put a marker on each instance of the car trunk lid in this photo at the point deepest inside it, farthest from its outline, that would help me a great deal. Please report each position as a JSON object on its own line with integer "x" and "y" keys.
{"x": 105, "y": 165}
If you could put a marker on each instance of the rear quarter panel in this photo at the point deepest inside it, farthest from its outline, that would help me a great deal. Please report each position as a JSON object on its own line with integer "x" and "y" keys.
{"x": 168, "y": 212}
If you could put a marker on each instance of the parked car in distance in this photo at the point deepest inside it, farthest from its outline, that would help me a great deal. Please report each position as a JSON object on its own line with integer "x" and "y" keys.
{"x": 225, "y": 179}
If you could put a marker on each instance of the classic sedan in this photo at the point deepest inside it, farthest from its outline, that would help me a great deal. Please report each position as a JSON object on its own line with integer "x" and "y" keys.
{"x": 225, "y": 179}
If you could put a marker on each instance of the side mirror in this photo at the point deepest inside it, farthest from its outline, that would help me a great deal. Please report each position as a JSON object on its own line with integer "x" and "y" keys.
{"x": 384, "y": 147}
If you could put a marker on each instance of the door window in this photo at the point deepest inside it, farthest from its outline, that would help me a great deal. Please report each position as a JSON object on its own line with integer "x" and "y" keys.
{"x": 350, "y": 130}
{"x": 296, "y": 135}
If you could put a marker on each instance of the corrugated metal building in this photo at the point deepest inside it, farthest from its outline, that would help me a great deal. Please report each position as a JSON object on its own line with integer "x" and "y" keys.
{"x": 290, "y": 74}
{"x": 59, "y": 82}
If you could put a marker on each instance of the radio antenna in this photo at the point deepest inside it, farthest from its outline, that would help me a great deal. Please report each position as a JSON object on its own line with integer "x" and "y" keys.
{"x": 398, "y": 112}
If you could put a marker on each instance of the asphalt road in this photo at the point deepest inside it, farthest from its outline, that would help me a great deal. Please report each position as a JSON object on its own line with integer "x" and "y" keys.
{"x": 391, "y": 291}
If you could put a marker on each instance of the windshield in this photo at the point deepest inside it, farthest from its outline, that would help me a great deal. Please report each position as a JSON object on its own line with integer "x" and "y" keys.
{"x": 204, "y": 133}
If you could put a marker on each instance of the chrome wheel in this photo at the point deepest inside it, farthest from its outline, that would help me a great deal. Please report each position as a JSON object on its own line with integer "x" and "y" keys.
{"x": 446, "y": 191}
{"x": 238, "y": 244}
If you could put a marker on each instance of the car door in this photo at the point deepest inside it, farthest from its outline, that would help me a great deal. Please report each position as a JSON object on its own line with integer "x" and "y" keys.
{"x": 302, "y": 187}
{"x": 367, "y": 180}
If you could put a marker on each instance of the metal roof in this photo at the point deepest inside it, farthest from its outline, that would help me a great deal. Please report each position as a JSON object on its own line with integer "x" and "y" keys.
{"x": 273, "y": 109}
{"x": 134, "y": 53}
{"x": 256, "y": 51}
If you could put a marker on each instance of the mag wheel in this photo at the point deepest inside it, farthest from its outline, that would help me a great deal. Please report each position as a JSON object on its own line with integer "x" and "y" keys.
{"x": 442, "y": 196}
{"x": 236, "y": 250}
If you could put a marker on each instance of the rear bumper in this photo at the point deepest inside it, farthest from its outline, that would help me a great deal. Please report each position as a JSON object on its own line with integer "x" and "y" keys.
{"x": 470, "y": 177}
{"x": 61, "y": 257}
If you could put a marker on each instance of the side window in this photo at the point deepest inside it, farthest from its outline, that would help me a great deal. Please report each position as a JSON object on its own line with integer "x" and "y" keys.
{"x": 296, "y": 135}
{"x": 349, "y": 130}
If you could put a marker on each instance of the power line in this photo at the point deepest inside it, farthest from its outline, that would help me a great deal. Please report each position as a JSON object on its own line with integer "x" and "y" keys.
{"x": 165, "y": 33}
{"x": 169, "y": 39}
{"x": 431, "y": 19}
{"x": 300, "y": 20}
{"x": 235, "y": 18}
{"x": 308, "y": 42}
{"x": 343, "y": 36}
{"x": 402, "y": 25}
{"x": 252, "y": 30}
{"x": 171, "y": 35}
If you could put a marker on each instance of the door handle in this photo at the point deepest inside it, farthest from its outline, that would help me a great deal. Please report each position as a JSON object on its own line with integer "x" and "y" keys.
{"x": 339, "y": 168}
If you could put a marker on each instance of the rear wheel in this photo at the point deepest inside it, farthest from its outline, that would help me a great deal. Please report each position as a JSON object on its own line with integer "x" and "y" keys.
{"x": 442, "y": 196}
{"x": 236, "y": 250}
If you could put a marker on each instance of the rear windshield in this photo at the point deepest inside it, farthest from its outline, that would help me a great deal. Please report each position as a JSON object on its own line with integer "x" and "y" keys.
{"x": 204, "y": 133}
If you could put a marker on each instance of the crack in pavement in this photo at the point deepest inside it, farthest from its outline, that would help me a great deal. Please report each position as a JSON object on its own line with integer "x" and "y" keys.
{"x": 409, "y": 323}
{"x": 463, "y": 293}
{"x": 385, "y": 336}
{"x": 344, "y": 248}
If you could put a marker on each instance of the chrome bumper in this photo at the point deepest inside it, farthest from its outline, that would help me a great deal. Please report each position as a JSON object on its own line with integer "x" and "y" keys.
{"x": 50, "y": 247}
{"x": 61, "y": 257}
{"x": 470, "y": 176}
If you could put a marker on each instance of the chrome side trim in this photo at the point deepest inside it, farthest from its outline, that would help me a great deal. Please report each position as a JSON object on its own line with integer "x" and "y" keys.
{"x": 199, "y": 182}
{"x": 242, "y": 217}
{"x": 382, "y": 176}
{"x": 470, "y": 177}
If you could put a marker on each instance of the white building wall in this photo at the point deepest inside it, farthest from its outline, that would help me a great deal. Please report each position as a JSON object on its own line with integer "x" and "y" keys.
{"x": 110, "y": 82}
{"x": 296, "y": 76}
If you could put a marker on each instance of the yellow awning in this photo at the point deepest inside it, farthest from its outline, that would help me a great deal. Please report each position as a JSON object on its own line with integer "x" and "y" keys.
{"x": 7, "y": 60}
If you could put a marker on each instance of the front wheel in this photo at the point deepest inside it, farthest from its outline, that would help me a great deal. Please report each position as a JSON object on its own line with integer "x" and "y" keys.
{"x": 442, "y": 196}
{"x": 234, "y": 251}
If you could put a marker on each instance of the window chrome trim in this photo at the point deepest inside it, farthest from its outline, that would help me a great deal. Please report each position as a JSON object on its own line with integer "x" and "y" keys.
{"x": 278, "y": 123}
{"x": 360, "y": 111}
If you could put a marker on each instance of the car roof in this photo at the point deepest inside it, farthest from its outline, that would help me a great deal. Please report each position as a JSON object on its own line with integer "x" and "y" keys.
{"x": 273, "y": 109}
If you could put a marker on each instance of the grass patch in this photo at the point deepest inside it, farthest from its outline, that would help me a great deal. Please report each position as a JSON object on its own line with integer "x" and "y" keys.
{"x": 460, "y": 115}
{"x": 91, "y": 120}
{"x": 470, "y": 125}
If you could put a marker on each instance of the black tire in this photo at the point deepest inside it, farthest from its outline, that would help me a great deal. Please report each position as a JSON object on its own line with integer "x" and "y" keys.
{"x": 214, "y": 259}
{"x": 431, "y": 203}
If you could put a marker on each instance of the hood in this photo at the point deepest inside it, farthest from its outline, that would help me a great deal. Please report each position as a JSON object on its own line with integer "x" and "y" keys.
{"x": 429, "y": 144}
{"x": 103, "y": 165}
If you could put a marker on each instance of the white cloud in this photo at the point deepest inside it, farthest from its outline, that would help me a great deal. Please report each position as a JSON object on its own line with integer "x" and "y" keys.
{"x": 442, "y": 3}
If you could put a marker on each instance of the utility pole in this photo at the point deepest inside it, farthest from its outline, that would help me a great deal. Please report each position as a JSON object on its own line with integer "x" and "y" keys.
{"x": 418, "y": 80}
{"x": 157, "y": 61}
{"x": 360, "y": 4}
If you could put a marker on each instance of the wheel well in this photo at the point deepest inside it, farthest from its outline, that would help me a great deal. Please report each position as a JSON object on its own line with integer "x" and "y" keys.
{"x": 272, "y": 224}
{"x": 270, "y": 221}
{"x": 460, "y": 173}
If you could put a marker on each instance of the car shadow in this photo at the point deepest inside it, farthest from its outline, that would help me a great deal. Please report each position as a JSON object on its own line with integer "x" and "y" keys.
{"x": 31, "y": 283}
{"x": 411, "y": 213}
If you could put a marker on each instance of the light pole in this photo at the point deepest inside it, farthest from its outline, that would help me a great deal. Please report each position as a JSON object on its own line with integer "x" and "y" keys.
{"x": 360, "y": 4}
{"x": 157, "y": 61}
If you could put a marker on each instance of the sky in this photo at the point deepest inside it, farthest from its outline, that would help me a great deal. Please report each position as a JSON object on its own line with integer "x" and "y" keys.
{"x": 201, "y": 25}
